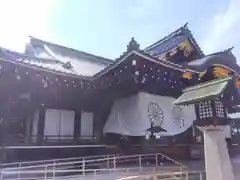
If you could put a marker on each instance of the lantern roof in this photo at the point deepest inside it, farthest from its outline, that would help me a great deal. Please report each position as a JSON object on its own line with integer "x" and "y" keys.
{"x": 203, "y": 91}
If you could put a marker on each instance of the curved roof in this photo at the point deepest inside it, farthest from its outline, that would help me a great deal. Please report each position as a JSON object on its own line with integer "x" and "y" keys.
{"x": 172, "y": 41}
{"x": 56, "y": 66}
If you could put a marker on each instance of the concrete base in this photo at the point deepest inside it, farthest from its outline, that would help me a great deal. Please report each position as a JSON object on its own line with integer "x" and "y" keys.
{"x": 217, "y": 160}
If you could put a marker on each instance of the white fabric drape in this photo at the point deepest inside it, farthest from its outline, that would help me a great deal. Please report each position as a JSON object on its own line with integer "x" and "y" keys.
{"x": 132, "y": 116}
{"x": 123, "y": 118}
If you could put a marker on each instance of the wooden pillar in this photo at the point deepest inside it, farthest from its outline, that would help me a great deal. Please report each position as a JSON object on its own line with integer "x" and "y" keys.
{"x": 29, "y": 127}
{"x": 4, "y": 126}
{"x": 97, "y": 126}
{"x": 41, "y": 125}
{"x": 101, "y": 114}
{"x": 29, "y": 121}
{"x": 2, "y": 136}
{"x": 5, "y": 117}
{"x": 77, "y": 125}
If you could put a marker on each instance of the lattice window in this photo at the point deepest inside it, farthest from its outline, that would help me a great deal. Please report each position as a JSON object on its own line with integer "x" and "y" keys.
{"x": 219, "y": 108}
{"x": 205, "y": 109}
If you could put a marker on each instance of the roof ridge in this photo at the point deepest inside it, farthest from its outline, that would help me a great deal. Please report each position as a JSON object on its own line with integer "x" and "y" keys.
{"x": 181, "y": 29}
{"x": 194, "y": 42}
{"x": 34, "y": 58}
{"x": 216, "y": 53}
{"x": 167, "y": 37}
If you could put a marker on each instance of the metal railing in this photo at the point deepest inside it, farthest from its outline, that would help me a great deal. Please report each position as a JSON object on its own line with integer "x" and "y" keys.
{"x": 94, "y": 166}
{"x": 14, "y": 139}
{"x": 158, "y": 173}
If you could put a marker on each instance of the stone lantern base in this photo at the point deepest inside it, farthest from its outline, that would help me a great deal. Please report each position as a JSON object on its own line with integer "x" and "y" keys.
{"x": 217, "y": 160}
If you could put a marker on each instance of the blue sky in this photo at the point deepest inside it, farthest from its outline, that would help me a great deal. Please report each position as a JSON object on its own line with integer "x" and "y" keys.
{"x": 104, "y": 27}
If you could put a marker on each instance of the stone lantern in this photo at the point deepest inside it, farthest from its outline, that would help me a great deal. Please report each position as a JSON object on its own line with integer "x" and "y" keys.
{"x": 208, "y": 99}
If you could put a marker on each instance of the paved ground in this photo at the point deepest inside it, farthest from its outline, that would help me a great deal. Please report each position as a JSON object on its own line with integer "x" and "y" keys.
{"x": 236, "y": 167}
{"x": 116, "y": 175}
{"x": 195, "y": 165}
{"x": 198, "y": 165}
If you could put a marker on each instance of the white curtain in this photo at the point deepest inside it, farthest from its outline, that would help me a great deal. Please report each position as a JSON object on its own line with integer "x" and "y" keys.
{"x": 132, "y": 116}
{"x": 67, "y": 123}
{"x": 52, "y": 123}
{"x": 86, "y": 125}
{"x": 59, "y": 123}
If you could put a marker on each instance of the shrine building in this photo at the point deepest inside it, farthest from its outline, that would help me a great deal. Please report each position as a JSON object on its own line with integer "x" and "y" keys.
{"x": 60, "y": 102}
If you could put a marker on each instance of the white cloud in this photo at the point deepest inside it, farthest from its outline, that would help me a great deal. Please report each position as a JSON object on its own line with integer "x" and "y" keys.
{"x": 224, "y": 30}
{"x": 21, "y": 18}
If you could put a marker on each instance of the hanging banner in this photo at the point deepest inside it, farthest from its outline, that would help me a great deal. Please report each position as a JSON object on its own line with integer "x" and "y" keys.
{"x": 133, "y": 116}
{"x": 186, "y": 47}
{"x": 219, "y": 72}
{"x": 216, "y": 71}
{"x": 238, "y": 83}
{"x": 223, "y": 72}
{"x": 187, "y": 75}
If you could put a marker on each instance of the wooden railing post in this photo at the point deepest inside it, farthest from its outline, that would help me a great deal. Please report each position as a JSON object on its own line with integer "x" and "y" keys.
{"x": 19, "y": 171}
{"x": 156, "y": 159}
{"x": 54, "y": 167}
{"x": 107, "y": 162}
{"x": 83, "y": 167}
{"x": 140, "y": 161}
{"x": 114, "y": 163}
{"x": 201, "y": 176}
{"x": 186, "y": 177}
{"x": 45, "y": 173}
{"x": 1, "y": 177}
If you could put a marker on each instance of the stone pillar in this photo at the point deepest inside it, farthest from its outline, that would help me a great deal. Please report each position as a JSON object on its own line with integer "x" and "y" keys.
{"x": 217, "y": 160}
